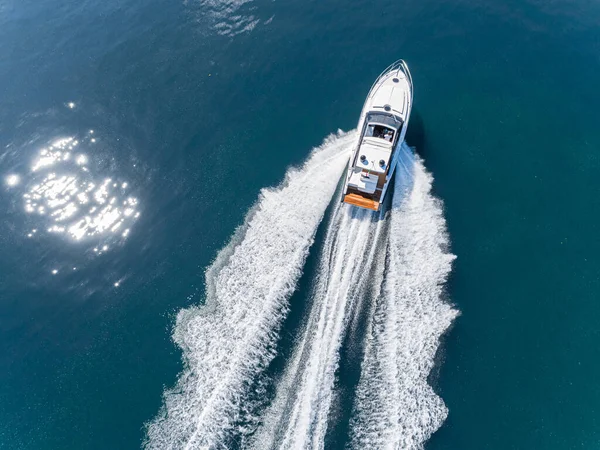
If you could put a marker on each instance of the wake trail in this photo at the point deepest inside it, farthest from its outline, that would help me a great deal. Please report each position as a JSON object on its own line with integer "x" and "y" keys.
{"x": 228, "y": 342}
{"x": 395, "y": 407}
{"x": 398, "y": 262}
{"x": 298, "y": 416}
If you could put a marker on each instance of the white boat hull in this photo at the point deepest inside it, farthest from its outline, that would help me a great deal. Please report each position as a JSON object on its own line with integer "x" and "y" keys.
{"x": 381, "y": 131}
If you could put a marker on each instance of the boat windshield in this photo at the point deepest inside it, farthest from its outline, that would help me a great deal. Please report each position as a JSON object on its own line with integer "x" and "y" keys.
{"x": 383, "y": 126}
{"x": 384, "y": 119}
{"x": 380, "y": 131}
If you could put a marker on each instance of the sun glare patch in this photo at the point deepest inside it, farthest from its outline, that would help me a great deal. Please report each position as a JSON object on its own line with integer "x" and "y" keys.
{"x": 76, "y": 202}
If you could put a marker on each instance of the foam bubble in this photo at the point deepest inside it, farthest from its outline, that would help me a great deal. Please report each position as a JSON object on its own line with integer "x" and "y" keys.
{"x": 229, "y": 342}
{"x": 394, "y": 405}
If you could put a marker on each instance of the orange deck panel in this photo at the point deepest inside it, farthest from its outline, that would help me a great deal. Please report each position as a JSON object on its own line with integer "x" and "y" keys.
{"x": 357, "y": 200}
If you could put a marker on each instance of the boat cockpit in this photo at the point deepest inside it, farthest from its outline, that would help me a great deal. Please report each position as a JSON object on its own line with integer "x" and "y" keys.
{"x": 377, "y": 130}
{"x": 383, "y": 126}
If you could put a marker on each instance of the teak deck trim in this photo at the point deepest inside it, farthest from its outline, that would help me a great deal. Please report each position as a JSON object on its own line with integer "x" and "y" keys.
{"x": 357, "y": 200}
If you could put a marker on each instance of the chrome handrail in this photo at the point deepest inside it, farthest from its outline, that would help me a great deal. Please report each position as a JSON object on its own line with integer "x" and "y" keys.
{"x": 408, "y": 76}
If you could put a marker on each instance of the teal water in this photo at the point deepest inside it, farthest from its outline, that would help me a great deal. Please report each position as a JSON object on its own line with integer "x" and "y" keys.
{"x": 197, "y": 106}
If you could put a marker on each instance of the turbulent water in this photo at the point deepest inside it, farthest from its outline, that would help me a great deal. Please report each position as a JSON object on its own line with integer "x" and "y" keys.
{"x": 230, "y": 340}
{"x": 395, "y": 407}
{"x": 298, "y": 417}
{"x": 393, "y": 263}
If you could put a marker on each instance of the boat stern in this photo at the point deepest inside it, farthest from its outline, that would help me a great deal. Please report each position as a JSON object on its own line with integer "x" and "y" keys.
{"x": 361, "y": 202}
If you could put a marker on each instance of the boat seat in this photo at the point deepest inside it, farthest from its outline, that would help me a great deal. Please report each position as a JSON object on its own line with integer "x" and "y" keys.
{"x": 364, "y": 183}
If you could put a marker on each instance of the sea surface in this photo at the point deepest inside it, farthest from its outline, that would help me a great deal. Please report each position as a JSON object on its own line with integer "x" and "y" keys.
{"x": 176, "y": 270}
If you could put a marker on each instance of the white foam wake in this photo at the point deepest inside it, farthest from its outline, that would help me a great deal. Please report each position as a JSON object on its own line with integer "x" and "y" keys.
{"x": 395, "y": 408}
{"x": 298, "y": 417}
{"x": 228, "y": 342}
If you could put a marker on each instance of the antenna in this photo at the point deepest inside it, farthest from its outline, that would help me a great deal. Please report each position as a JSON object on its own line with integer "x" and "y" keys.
{"x": 373, "y": 164}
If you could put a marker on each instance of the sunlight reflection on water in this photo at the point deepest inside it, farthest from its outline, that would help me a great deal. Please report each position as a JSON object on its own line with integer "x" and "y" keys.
{"x": 73, "y": 200}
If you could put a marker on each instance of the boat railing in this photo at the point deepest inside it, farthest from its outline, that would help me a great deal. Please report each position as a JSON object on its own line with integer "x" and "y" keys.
{"x": 398, "y": 66}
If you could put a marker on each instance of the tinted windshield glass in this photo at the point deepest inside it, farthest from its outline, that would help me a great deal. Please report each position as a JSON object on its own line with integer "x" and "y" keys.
{"x": 380, "y": 131}
{"x": 385, "y": 119}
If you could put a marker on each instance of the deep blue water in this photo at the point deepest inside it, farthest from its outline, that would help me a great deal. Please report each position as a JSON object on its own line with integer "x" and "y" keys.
{"x": 196, "y": 106}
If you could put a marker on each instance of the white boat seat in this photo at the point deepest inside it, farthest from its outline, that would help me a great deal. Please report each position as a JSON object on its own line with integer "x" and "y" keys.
{"x": 366, "y": 184}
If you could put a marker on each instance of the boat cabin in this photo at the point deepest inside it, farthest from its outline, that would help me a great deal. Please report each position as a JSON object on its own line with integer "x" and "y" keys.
{"x": 372, "y": 160}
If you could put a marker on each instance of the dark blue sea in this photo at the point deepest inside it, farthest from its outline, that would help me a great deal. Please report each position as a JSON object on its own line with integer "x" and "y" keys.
{"x": 176, "y": 270}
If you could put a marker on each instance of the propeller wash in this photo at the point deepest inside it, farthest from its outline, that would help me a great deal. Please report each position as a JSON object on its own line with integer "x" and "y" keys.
{"x": 392, "y": 264}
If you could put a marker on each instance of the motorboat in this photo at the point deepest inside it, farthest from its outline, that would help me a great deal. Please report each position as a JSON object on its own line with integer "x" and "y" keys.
{"x": 381, "y": 132}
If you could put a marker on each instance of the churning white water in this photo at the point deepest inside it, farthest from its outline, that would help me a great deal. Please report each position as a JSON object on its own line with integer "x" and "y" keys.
{"x": 395, "y": 407}
{"x": 228, "y": 342}
{"x": 392, "y": 265}
{"x": 298, "y": 417}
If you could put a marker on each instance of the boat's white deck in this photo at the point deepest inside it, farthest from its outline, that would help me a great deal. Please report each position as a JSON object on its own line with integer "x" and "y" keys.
{"x": 363, "y": 182}
{"x": 390, "y": 94}
{"x": 374, "y": 153}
